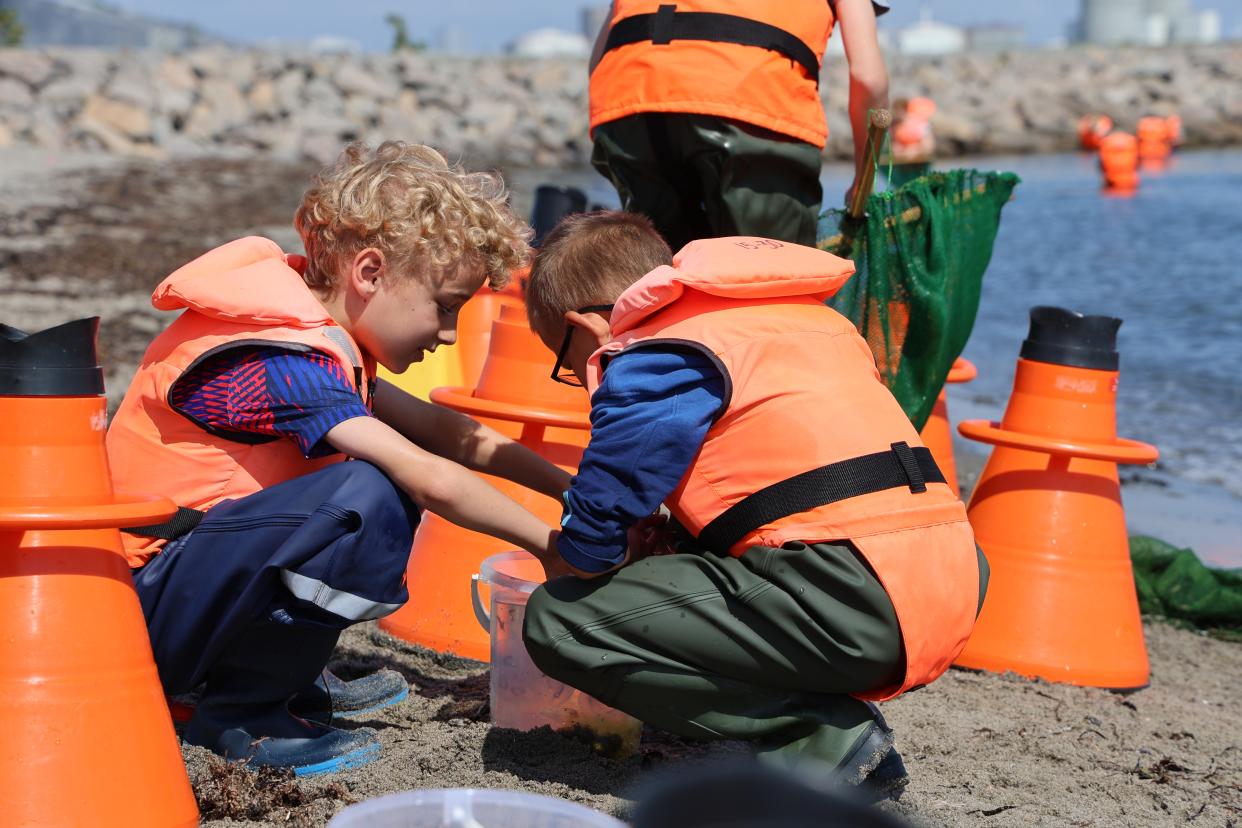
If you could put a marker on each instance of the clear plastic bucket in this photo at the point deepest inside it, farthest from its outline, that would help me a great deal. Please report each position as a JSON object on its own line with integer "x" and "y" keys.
{"x": 522, "y": 697}
{"x": 469, "y": 808}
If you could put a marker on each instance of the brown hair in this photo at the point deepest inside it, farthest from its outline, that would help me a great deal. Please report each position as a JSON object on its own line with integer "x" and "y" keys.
{"x": 408, "y": 202}
{"x": 589, "y": 259}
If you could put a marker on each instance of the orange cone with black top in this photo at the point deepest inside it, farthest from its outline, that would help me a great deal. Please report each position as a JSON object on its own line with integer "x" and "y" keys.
{"x": 85, "y": 735}
{"x": 1047, "y": 512}
{"x": 936, "y": 434}
{"x": 515, "y": 395}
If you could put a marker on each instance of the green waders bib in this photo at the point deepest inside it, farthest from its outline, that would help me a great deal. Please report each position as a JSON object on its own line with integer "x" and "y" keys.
{"x": 764, "y": 647}
{"x": 700, "y": 176}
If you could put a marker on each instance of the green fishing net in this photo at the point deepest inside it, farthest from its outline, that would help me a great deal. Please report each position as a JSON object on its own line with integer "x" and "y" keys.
{"x": 920, "y": 252}
{"x": 1173, "y": 583}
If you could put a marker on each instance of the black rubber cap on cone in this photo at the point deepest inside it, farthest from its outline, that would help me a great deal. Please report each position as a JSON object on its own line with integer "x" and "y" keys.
{"x": 552, "y": 204}
{"x": 1064, "y": 337}
{"x": 56, "y": 362}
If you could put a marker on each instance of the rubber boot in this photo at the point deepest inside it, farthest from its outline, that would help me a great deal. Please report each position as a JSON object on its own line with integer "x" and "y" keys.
{"x": 331, "y": 697}
{"x": 851, "y": 738}
{"x": 243, "y": 712}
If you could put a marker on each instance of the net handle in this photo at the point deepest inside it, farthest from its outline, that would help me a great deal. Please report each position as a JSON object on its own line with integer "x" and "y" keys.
{"x": 879, "y": 121}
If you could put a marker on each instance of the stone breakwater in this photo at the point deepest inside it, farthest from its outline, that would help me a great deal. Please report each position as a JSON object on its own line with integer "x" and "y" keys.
{"x": 523, "y": 112}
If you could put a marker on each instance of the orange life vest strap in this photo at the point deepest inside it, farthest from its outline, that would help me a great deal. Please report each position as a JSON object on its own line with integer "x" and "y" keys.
{"x": 667, "y": 24}
{"x": 184, "y": 521}
{"x": 899, "y": 466}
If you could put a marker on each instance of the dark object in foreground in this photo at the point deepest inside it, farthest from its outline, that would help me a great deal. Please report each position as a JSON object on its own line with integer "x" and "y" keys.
{"x": 750, "y": 795}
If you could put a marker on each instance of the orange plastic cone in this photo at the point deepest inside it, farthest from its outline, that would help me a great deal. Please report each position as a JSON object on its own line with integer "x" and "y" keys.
{"x": 517, "y": 396}
{"x": 85, "y": 735}
{"x": 1047, "y": 513}
{"x": 1119, "y": 158}
{"x": 936, "y": 434}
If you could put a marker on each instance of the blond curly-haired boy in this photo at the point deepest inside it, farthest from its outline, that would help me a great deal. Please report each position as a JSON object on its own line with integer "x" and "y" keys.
{"x": 241, "y": 412}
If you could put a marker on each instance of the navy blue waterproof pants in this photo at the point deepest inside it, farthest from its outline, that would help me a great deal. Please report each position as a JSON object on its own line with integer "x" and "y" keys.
{"x": 327, "y": 548}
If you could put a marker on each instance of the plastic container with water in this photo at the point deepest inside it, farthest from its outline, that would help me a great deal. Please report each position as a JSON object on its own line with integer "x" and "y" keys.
{"x": 469, "y": 808}
{"x": 522, "y": 697}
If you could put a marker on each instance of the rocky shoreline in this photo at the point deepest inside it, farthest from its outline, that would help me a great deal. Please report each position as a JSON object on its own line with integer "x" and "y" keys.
{"x": 532, "y": 113}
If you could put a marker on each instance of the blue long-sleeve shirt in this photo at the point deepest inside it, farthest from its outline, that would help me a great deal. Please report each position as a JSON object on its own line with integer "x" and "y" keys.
{"x": 649, "y": 417}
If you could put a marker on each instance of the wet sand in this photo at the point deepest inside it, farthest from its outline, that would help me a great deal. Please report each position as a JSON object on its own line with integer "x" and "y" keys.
{"x": 85, "y": 236}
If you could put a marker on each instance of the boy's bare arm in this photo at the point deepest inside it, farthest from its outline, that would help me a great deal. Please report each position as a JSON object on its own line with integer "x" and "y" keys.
{"x": 457, "y": 437}
{"x": 444, "y": 487}
{"x": 868, "y": 75}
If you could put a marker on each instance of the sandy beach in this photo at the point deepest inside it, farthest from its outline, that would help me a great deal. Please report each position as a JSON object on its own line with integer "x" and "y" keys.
{"x": 92, "y": 236}
{"x": 983, "y": 750}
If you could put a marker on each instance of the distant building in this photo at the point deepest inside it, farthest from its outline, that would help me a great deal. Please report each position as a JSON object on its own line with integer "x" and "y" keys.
{"x": 930, "y": 37}
{"x": 1196, "y": 27}
{"x": 995, "y": 37}
{"x": 836, "y": 45}
{"x": 549, "y": 43}
{"x": 82, "y": 23}
{"x": 1144, "y": 23}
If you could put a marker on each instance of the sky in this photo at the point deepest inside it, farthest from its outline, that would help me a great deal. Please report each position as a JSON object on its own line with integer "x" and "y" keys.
{"x": 487, "y": 25}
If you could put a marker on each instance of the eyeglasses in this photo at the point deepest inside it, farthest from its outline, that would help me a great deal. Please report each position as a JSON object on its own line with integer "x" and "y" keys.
{"x": 560, "y": 372}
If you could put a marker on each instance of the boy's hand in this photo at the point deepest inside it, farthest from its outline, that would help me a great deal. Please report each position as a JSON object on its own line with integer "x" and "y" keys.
{"x": 649, "y": 537}
{"x": 646, "y": 538}
{"x": 554, "y": 566}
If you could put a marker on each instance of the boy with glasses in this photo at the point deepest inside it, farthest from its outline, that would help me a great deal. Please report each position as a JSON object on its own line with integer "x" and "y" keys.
{"x": 824, "y": 562}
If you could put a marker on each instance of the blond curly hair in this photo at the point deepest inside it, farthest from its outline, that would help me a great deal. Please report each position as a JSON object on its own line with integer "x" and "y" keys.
{"x": 409, "y": 202}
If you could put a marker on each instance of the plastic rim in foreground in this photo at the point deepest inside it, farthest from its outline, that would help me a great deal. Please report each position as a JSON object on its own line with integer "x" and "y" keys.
{"x": 516, "y": 570}
{"x": 469, "y": 808}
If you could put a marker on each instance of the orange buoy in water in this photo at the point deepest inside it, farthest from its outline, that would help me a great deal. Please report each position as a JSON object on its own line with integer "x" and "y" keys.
{"x": 1092, "y": 129}
{"x": 1047, "y": 513}
{"x": 936, "y": 434}
{"x": 1119, "y": 161}
{"x": 85, "y": 735}
{"x": 517, "y": 396}
{"x": 1173, "y": 127}
{"x": 1153, "y": 138}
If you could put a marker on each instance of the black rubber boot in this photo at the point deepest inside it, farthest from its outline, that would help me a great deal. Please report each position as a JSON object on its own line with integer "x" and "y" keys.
{"x": 851, "y": 740}
{"x": 887, "y": 781}
{"x": 243, "y": 712}
{"x": 331, "y": 697}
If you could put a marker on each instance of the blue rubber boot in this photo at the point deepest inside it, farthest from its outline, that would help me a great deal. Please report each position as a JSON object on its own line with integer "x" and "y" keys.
{"x": 243, "y": 713}
{"x": 330, "y": 697}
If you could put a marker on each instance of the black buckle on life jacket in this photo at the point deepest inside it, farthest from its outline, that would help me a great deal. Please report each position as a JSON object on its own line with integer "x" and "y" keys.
{"x": 899, "y": 466}
{"x": 910, "y": 466}
{"x": 662, "y": 25}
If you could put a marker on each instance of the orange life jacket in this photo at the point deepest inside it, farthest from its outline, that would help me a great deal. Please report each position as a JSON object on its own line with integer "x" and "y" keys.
{"x": 242, "y": 293}
{"x": 803, "y": 394}
{"x": 756, "y": 62}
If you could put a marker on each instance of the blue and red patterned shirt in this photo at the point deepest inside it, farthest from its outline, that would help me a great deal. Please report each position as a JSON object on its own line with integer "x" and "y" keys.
{"x": 271, "y": 391}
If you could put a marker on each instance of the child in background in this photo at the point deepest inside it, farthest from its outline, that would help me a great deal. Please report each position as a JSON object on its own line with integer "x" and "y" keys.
{"x": 242, "y": 412}
{"x": 828, "y": 566}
